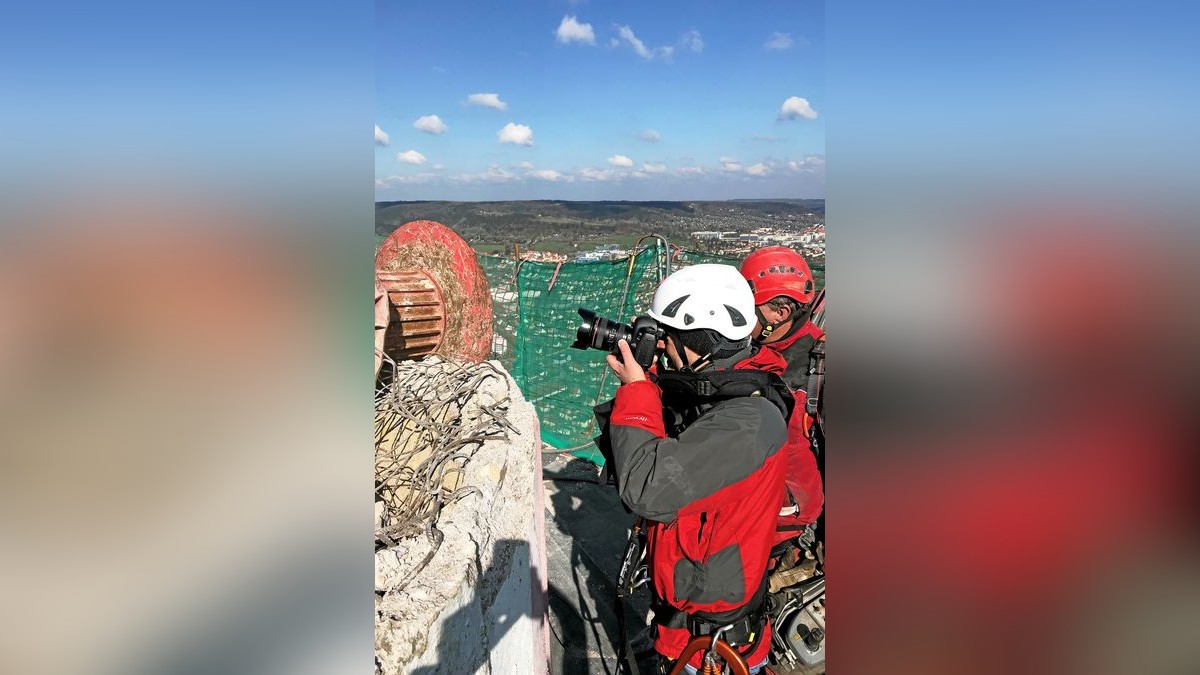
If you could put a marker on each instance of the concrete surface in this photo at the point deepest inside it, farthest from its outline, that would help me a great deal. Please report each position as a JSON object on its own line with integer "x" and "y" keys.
{"x": 586, "y": 531}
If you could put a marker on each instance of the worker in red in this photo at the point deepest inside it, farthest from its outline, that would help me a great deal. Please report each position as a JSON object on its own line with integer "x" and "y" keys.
{"x": 695, "y": 449}
{"x": 784, "y": 291}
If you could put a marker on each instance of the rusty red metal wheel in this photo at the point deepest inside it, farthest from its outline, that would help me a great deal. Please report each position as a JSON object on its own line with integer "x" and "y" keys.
{"x": 440, "y": 300}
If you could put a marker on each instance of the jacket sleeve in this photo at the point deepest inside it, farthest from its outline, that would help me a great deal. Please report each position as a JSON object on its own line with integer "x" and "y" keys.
{"x": 658, "y": 476}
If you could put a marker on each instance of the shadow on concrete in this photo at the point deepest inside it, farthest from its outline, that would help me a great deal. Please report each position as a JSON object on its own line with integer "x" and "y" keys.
{"x": 586, "y": 533}
{"x": 505, "y": 593}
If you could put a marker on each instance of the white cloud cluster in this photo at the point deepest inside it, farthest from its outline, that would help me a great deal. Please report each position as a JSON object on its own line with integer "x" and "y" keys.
{"x": 795, "y": 107}
{"x": 397, "y": 181}
{"x": 691, "y": 40}
{"x": 810, "y": 164}
{"x": 621, "y": 161}
{"x": 517, "y": 134}
{"x": 596, "y": 175}
{"x": 640, "y": 48}
{"x": 550, "y": 175}
{"x": 650, "y": 136}
{"x": 487, "y": 101}
{"x": 381, "y": 138}
{"x": 430, "y": 124}
{"x": 570, "y": 30}
{"x": 727, "y": 169}
{"x": 778, "y": 41}
{"x": 410, "y": 157}
{"x": 494, "y": 174}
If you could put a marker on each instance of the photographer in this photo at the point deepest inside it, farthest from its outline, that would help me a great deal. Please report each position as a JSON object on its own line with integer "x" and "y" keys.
{"x": 695, "y": 449}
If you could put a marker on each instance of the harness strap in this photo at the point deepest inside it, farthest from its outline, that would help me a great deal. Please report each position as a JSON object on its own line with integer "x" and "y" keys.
{"x": 767, "y": 326}
{"x": 750, "y": 616}
{"x": 816, "y": 376}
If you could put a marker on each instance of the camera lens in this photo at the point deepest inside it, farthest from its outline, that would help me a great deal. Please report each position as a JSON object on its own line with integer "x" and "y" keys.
{"x": 598, "y": 332}
{"x": 608, "y": 332}
{"x": 586, "y": 330}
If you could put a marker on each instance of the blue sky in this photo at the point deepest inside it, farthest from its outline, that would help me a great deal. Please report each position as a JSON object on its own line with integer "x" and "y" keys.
{"x": 600, "y": 99}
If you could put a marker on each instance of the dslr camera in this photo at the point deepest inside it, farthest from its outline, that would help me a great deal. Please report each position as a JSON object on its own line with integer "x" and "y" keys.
{"x": 598, "y": 332}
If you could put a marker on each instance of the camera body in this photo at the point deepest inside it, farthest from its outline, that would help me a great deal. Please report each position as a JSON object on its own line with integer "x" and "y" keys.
{"x": 597, "y": 332}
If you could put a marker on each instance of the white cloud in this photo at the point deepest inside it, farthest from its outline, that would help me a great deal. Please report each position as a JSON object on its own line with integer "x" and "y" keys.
{"x": 654, "y": 168}
{"x": 381, "y": 138}
{"x": 430, "y": 124}
{"x": 730, "y": 165}
{"x": 759, "y": 169}
{"x": 518, "y": 134}
{"x": 640, "y": 47}
{"x": 650, "y": 135}
{"x": 620, "y": 160}
{"x": 550, "y": 175}
{"x": 690, "y": 171}
{"x": 590, "y": 174}
{"x": 810, "y": 164}
{"x": 410, "y": 157}
{"x": 691, "y": 40}
{"x": 493, "y": 174}
{"x": 414, "y": 179}
{"x": 524, "y": 165}
{"x": 487, "y": 100}
{"x": 571, "y": 30}
{"x": 795, "y": 107}
{"x": 778, "y": 41}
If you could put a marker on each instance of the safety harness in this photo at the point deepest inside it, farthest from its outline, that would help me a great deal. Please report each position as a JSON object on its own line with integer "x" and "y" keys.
{"x": 682, "y": 390}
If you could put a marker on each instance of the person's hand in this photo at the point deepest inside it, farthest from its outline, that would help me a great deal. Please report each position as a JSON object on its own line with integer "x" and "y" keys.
{"x": 626, "y": 369}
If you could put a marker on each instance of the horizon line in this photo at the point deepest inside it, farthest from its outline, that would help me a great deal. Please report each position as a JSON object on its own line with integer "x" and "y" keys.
{"x": 631, "y": 201}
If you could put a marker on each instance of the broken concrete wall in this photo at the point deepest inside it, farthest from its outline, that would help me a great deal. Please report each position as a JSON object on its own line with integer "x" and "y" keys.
{"x": 479, "y": 604}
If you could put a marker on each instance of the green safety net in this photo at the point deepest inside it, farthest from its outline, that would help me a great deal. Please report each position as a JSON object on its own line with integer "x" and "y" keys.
{"x": 535, "y": 305}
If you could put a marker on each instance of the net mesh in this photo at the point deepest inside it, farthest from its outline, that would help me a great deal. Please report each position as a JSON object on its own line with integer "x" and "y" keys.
{"x": 535, "y": 305}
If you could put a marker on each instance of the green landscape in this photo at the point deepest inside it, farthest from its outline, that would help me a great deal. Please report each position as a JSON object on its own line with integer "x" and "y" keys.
{"x": 567, "y": 227}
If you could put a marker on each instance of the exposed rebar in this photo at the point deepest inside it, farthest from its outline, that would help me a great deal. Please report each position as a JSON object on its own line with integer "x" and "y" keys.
{"x": 423, "y": 442}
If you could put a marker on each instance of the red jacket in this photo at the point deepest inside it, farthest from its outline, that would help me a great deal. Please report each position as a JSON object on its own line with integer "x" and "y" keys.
{"x": 711, "y": 493}
{"x": 804, "y": 483}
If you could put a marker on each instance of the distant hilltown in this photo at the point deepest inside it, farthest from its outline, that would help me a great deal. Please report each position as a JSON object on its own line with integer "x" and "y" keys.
{"x": 582, "y": 231}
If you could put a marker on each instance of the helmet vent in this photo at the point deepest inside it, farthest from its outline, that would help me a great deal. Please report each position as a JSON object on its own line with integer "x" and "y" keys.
{"x": 735, "y": 316}
{"x": 687, "y": 318}
{"x": 670, "y": 310}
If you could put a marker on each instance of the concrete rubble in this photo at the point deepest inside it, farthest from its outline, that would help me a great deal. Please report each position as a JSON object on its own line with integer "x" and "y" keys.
{"x": 478, "y": 605}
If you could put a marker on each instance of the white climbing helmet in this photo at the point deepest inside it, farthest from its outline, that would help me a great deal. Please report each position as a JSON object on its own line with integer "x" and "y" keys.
{"x": 709, "y": 296}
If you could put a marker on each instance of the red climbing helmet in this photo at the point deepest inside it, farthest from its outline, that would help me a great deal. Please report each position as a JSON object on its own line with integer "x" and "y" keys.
{"x": 778, "y": 270}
